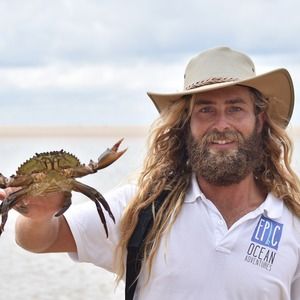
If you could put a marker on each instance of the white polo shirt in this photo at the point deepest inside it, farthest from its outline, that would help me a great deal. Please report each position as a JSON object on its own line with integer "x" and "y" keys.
{"x": 257, "y": 258}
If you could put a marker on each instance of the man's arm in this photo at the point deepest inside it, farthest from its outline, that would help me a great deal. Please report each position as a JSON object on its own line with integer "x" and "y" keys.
{"x": 43, "y": 236}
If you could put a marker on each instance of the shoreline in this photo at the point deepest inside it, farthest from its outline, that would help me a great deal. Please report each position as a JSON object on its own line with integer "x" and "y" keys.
{"x": 90, "y": 131}
{"x": 73, "y": 131}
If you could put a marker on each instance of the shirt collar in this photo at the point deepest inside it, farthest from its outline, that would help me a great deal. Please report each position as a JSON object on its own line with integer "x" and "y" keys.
{"x": 272, "y": 207}
{"x": 193, "y": 193}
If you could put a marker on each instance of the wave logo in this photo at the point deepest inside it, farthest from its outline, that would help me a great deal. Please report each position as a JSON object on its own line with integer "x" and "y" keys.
{"x": 267, "y": 233}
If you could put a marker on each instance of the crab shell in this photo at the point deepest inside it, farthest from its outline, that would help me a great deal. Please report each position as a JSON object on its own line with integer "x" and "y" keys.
{"x": 42, "y": 162}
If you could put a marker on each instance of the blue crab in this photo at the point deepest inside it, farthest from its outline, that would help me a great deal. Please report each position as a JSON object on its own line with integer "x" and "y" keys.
{"x": 56, "y": 171}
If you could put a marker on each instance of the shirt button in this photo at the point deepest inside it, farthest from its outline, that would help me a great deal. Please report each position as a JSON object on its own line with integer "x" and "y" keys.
{"x": 221, "y": 222}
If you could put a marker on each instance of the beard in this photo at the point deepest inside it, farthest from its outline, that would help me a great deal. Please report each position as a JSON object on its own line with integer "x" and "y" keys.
{"x": 225, "y": 167}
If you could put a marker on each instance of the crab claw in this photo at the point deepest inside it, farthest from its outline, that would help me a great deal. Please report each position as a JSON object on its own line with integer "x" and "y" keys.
{"x": 108, "y": 156}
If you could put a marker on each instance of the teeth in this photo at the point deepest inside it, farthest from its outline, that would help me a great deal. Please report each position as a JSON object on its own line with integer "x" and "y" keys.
{"x": 221, "y": 142}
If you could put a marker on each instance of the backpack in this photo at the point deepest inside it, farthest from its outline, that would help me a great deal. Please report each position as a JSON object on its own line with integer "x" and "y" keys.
{"x": 135, "y": 247}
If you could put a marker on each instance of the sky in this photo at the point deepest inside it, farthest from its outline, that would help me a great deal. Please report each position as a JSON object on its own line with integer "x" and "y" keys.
{"x": 89, "y": 62}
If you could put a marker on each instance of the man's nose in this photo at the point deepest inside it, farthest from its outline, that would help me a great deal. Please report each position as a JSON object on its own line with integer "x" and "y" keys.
{"x": 221, "y": 122}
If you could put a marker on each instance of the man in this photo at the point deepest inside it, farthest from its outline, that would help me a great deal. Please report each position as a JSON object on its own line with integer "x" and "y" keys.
{"x": 228, "y": 226}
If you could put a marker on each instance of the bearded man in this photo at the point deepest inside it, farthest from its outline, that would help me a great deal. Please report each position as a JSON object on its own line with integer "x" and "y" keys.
{"x": 224, "y": 202}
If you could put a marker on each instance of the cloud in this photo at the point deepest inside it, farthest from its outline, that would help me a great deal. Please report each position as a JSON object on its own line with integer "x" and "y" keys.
{"x": 86, "y": 54}
{"x": 86, "y": 94}
{"x": 35, "y": 32}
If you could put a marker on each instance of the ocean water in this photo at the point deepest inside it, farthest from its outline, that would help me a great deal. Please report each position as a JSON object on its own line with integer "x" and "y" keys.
{"x": 28, "y": 276}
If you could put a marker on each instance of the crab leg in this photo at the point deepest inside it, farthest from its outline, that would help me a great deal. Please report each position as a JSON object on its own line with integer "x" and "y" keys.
{"x": 67, "y": 204}
{"x": 3, "y": 181}
{"x": 8, "y": 204}
{"x": 102, "y": 217}
{"x": 95, "y": 196}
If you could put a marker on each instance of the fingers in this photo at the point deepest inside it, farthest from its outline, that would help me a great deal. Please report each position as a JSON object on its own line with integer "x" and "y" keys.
{"x": 41, "y": 206}
{"x": 5, "y": 192}
{"x": 2, "y": 194}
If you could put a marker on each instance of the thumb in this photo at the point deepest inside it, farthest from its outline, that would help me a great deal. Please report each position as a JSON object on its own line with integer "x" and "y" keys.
{"x": 5, "y": 192}
{"x": 2, "y": 194}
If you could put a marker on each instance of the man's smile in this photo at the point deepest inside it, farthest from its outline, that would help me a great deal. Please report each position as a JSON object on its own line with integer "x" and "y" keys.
{"x": 222, "y": 144}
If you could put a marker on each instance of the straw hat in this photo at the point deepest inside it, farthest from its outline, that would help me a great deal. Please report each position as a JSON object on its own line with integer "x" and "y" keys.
{"x": 221, "y": 67}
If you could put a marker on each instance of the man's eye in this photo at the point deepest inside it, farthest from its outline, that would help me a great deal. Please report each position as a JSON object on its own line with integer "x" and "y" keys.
{"x": 206, "y": 109}
{"x": 235, "y": 109}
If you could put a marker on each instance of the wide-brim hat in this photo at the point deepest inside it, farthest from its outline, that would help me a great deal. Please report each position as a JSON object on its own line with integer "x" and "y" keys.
{"x": 222, "y": 67}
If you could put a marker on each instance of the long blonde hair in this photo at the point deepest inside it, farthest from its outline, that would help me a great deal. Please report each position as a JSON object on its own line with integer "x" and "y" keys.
{"x": 275, "y": 173}
{"x": 166, "y": 167}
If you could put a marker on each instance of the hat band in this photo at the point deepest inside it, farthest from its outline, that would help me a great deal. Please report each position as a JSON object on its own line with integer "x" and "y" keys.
{"x": 212, "y": 80}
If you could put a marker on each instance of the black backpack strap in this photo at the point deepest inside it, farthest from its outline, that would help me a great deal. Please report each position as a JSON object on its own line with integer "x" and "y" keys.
{"x": 136, "y": 243}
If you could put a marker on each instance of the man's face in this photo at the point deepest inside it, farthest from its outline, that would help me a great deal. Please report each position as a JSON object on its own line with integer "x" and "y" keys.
{"x": 225, "y": 143}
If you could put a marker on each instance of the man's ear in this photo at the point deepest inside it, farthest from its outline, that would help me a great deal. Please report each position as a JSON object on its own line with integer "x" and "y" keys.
{"x": 260, "y": 119}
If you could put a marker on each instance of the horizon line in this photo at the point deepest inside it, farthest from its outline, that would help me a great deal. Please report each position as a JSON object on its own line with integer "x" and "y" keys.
{"x": 72, "y": 130}
{"x": 88, "y": 130}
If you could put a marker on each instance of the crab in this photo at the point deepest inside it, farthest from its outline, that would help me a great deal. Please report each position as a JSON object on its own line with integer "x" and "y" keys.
{"x": 56, "y": 171}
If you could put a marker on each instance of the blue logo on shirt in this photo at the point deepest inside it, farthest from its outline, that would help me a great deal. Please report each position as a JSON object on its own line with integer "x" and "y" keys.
{"x": 267, "y": 233}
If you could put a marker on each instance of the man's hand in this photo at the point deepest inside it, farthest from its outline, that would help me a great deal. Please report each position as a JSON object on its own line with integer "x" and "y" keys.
{"x": 5, "y": 192}
{"x": 39, "y": 207}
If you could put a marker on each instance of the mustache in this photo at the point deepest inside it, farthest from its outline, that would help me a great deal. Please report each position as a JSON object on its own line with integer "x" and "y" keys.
{"x": 216, "y": 135}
